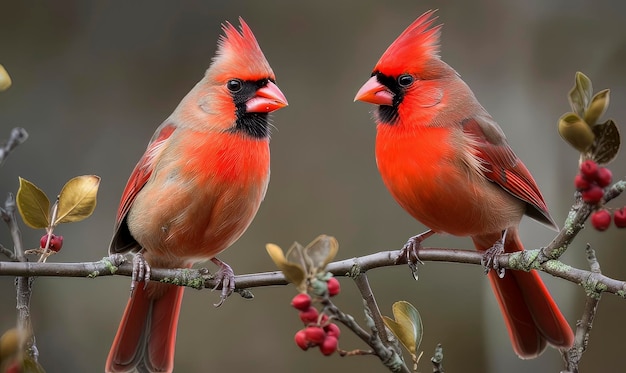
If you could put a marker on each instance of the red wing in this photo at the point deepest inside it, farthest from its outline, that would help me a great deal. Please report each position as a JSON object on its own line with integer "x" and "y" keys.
{"x": 142, "y": 172}
{"x": 123, "y": 241}
{"x": 504, "y": 168}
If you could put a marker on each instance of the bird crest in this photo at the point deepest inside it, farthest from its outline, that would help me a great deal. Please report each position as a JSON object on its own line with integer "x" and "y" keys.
{"x": 418, "y": 44}
{"x": 238, "y": 52}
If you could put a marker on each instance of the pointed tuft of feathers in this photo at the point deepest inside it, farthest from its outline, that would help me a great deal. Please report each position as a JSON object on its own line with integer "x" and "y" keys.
{"x": 238, "y": 51}
{"x": 419, "y": 44}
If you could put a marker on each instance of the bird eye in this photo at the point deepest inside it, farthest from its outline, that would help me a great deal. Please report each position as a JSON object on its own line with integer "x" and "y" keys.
{"x": 234, "y": 85}
{"x": 405, "y": 80}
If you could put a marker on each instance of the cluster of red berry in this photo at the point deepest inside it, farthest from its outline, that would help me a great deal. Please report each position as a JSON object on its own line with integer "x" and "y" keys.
{"x": 591, "y": 182}
{"x": 318, "y": 330}
{"x": 56, "y": 242}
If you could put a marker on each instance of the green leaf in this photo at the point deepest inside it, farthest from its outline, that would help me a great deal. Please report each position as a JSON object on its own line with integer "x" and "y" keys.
{"x": 407, "y": 325}
{"x": 5, "y": 79}
{"x": 33, "y": 205}
{"x": 77, "y": 199}
{"x": 292, "y": 271}
{"x": 575, "y": 131}
{"x": 607, "y": 143}
{"x": 580, "y": 95}
{"x": 320, "y": 252}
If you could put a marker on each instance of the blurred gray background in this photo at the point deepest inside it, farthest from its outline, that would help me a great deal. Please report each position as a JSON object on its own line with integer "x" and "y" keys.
{"x": 93, "y": 79}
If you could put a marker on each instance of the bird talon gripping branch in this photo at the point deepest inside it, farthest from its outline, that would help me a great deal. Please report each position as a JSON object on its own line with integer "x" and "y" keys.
{"x": 225, "y": 277}
{"x": 141, "y": 272}
{"x": 410, "y": 251}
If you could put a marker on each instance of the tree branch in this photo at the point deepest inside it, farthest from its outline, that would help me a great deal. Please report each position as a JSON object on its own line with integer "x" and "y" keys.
{"x": 575, "y": 222}
{"x": 17, "y": 137}
{"x": 573, "y": 355}
{"x": 24, "y": 284}
{"x": 200, "y": 278}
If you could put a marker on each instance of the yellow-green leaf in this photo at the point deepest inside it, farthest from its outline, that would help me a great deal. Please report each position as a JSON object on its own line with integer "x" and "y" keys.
{"x": 407, "y": 325}
{"x": 33, "y": 205}
{"x": 576, "y": 132}
{"x": 597, "y": 107}
{"x": 5, "y": 79}
{"x": 9, "y": 343}
{"x": 77, "y": 199}
{"x": 295, "y": 255}
{"x": 31, "y": 366}
{"x": 321, "y": 251}
{"x": 293, "y": 272}
{"x": 580, "y": 95}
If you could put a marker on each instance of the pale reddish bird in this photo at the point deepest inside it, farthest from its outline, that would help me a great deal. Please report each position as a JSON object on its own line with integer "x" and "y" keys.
{"x": 447, "y": 162}
{"x": 194, "y": 192}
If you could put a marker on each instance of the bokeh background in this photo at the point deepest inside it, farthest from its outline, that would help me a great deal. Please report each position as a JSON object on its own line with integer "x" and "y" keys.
{"x": 93, "y": 79}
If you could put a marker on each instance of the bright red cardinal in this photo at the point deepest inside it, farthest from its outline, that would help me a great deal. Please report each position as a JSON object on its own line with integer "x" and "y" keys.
{"x": 194, "y": 192}
{"x": 447, "y": 162}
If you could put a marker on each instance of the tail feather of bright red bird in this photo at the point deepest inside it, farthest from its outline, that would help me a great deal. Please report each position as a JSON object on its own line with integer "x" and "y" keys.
{"x": 531, "y": 315}
{"x": 146, "y": 336}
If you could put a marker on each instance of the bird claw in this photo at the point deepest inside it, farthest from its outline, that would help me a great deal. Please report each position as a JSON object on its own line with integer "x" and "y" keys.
{"x": 410, "y": 250}
{"x": 490, "y": 258}
{"x": 141, "y": 272}
{"x": 225, "y": 277}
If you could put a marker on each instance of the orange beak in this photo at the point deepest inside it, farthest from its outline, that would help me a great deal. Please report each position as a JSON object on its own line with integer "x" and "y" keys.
{"x": 266, "y": 100}
{"x": 375, "y": 93}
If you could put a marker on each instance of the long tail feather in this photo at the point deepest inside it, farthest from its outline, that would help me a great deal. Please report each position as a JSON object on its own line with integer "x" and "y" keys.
{"x": 146, "y": 337}
{"x": 531, "y": 316}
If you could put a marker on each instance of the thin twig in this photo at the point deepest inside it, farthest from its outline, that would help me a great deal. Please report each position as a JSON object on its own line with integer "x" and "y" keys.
{"x": 23, "y": 284}
{"x": 365, "y": 289}
{"x": 17, "y": 137}
{"x": 389, "y": 352}
{"x": 8, "y": 253}
{"x": 575, "y": 222}
{"x": 437, "y": 359}
{"x": 574, "y": 354}
{"x": 9, "y": 217}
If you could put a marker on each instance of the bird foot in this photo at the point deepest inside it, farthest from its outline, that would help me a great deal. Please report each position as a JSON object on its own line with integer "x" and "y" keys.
{"x": 141, "y": 272}
{"x": 225, "y": 277}
{"x": 410, "y": 249}
{"x": 490, "y": 258}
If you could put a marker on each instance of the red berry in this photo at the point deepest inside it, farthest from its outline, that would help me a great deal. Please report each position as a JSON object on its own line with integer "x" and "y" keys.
{"x": 581, "y": 183}
{"x": 324, "y": 319}
{"x": 604, "y": 177}
{"x": 332, "y": 330}
{"x": 593, "y": 195}
{"x": 619, "y": 217}
{"x": 301, "y": 302}
{"x": 589, "y": 170}
{"x": 56, "y": 242}
{"x": 333, "y": 287}
{"x": 309, "y": 315}
{"x": 329, "y": 346}
{"x": 315, "y": 334}
{"x": 301, "y": 340}
{"x": 601, "y": 220}
{"x": 14, "y": 367}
